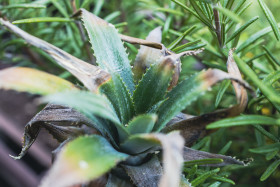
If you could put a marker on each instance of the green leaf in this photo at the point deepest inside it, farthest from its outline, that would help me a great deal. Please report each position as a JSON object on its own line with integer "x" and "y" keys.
{"x": 229, "y": 14}
{"x": 266, "y": 148}
{"x": 271, "y": 168}
{"x": 117, "y": 93}
{"x": 204, "y": 176}
{"x": 42, "y": 19}
{"x": 201, "y": 14}
{"x": 142, "y": 124}
{"x": 202, "y": 19}
{"x": 270, "y": 19}
{"x": 266, "y": 133}
{"x": 241, "y": 29}
{"x": 268, "y": 91}
{"x": 253, "y": 38}
{"x": 23, "y": 5}
{"x": 108, "y": 48}
{"x": 225, "y": 148}
{"x": 224, "y": 86}
{"x": 180, "y": 38}
{"x": 33, "y": 81}
{"x": 244, "y": 120}
{"x": 153, "y": 86}
{"x": 85, "y": 102}
{"x": 94, "y": 158}
{"x": 184, "y": 46}
{"x": 271, "y": 56}
{"x": 186, "y": 92}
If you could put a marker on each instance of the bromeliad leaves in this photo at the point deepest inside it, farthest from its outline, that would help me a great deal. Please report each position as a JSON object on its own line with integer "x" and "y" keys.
{"x": 76, "y": 167}
{"x": 108, "y": 47}
{"x": 61, "y": 122}
{"x": 91, "y": 76}
{"x": 33, "y": 81}
{"x": 191, "y": 129}
{"x": 148, "y": 175}
{"x": 111, "y": 56}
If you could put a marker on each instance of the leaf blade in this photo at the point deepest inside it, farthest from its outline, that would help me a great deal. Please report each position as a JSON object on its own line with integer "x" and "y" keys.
{"x": 80, "y": 166}
{"x": 33, "y": 81}
{"x": 108, "y": 47}
{"x": 270, "y": 18}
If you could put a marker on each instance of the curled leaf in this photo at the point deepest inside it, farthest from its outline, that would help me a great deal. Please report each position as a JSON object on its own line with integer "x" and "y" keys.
{"x": 61, "y": 122}
{"x": 172, "y": 145}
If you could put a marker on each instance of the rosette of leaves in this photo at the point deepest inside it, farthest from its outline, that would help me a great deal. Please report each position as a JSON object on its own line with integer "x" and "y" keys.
{"x": 125, "y": 125}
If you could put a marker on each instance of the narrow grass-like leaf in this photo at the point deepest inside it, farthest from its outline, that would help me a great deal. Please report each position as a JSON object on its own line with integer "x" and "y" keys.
{"x": 174, "y": 12}
{"x": 202, "y": 19}
{"x": 201, "y": 14}
{"x": 153, "y": 86}
{"x": 266, "y": 133}
{"x": 186, "y": 92}
{"x": 266, "y": 148}
{"x": 204, "y": 176}
{"x": 271, "y": 55}
{"x": 244, "y": 120}
{"x": 253, "y": 38}
{"x": 42, "y": 19}
{"x": 270, "y": 19}
{"x": 225, "y": 148}
{"x": 271, "y": 168}
{"x": 26, "y": 5}
{"x": 271, "y": 154}
{"x": 266, "y": 90}
{"x": 108, "y": 48}
{"x": 142, "y": 124}
{"x": 184, "y": 46}
{"x": 33, "y": 81}
{"x": 241, "y": 29}
{"x": 222, "y": 179}
{"x": 229, "y": 14}
{"x": 224, "y": 86}
{"x": 180, "y": 38}
{"x": 74, "y": 167}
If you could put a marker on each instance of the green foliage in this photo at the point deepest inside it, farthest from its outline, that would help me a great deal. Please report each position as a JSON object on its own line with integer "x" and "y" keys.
{"x": 217, "y": 26}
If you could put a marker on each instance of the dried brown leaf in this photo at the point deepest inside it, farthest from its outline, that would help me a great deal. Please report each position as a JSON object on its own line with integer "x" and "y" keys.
{"x": 61, "y": 122}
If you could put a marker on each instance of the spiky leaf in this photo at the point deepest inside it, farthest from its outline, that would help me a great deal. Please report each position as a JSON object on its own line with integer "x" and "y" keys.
{"x": 153, "y": 86}
{"x": 108, "y": 47}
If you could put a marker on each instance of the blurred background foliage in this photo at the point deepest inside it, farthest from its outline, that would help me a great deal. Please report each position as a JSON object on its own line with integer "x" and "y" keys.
{"x": 51, "y": 20}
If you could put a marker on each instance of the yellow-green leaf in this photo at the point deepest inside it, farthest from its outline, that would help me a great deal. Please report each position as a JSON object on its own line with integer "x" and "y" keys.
{"x": 33, "y": 81}
{"x": 82, "y": 160}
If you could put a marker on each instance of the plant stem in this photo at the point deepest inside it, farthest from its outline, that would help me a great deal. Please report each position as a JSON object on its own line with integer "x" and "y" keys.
{"x": 217, "y": 26}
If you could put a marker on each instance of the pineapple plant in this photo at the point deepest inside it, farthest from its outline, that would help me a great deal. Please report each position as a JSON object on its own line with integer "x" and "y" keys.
{"x": 125, "y": 124}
